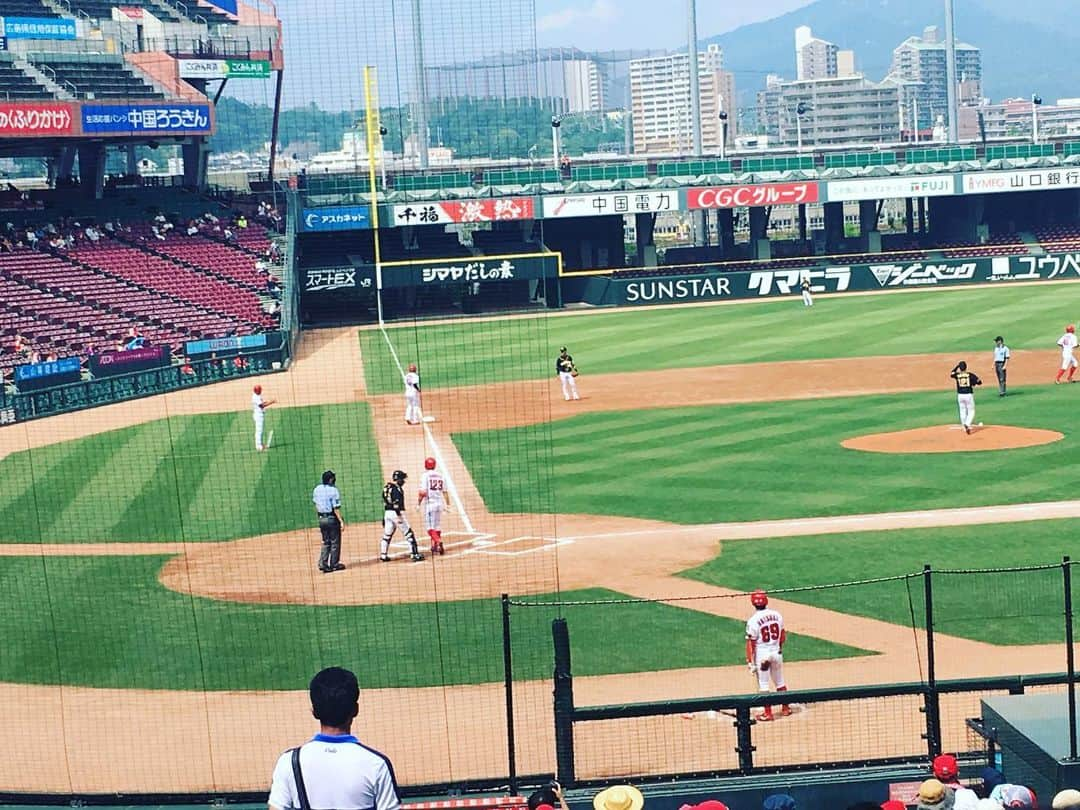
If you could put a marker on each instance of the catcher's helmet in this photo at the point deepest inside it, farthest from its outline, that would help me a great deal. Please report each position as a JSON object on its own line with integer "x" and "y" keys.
{"x": 329, "y": 477}
{"x": 399, "y": 477}
{"x": 759, "y": 599}
{"x": 1070, "y": 328}
{"x": 429, "y": 463}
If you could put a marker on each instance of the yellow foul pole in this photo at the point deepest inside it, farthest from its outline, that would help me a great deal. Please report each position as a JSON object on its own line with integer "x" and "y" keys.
{"x": 371, "y": 116}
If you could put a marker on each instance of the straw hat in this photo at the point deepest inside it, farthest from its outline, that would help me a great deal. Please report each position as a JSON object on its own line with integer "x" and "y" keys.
{"x": 619, "y": 797}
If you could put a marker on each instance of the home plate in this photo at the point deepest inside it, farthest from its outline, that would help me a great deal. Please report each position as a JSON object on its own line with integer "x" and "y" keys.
{"x": 429, "y": 419}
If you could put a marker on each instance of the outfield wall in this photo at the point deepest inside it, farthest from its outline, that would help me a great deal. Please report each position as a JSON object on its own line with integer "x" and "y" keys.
{"x": 639, "y": 287}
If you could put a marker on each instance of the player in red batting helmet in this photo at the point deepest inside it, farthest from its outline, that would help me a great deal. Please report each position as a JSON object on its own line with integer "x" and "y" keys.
{"x": 429, "y": 463}
{"x": 759, "y": 598}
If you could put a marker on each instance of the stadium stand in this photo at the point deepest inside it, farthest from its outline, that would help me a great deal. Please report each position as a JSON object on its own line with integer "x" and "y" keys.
{"x": 25, "y": 8}
{"x": 103, "y": 77}
{"x": 102, "y": 9}
{"x": 1057, "y": 238}
{"x": 17, "y": 86}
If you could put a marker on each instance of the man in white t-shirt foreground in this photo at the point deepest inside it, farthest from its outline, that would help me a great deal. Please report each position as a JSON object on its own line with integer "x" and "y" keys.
{"x": 765, "y": 637}
{"x": 334, "y": 769}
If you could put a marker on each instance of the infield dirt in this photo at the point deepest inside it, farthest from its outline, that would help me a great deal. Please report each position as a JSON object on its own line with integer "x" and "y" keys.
{"x": 208, "y": 735}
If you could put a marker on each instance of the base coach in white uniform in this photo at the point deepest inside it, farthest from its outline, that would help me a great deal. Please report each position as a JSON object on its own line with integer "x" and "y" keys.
{"x": 334, "y": 770}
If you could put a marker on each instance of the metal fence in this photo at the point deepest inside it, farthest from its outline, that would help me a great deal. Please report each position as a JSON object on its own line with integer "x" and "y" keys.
{"x": 684, "y": 731}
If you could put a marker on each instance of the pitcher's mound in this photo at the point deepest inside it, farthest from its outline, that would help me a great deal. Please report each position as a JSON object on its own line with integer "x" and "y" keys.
{"x": 952, "y": 439}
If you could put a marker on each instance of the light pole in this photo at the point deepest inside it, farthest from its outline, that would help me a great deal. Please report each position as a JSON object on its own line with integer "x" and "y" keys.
{"x": 801, "y": 109}
{"x": 556, "y": 122}
{"x": 382, "y": 155}
{"x": 1036, "y": 100}
{"x": 723, "y": 116}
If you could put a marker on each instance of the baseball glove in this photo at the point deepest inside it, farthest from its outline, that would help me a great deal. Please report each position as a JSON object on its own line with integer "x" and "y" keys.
{"x": 574, "y": 373}
{"x": 764, "y": 666}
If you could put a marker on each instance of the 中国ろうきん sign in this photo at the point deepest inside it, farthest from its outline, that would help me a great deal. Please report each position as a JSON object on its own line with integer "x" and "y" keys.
{"x": 165, "y": 119}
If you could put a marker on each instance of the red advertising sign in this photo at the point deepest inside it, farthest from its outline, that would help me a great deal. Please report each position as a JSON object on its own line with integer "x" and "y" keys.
{"x": 485, "y": 210}
{"x": 37, "y": 118}
{"x": 752, "y": 196}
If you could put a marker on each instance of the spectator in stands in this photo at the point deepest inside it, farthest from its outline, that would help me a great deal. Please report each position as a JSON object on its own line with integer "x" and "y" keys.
{"x": 1067, "y": 800}
{"x": 192, "y": 228}
{"x": 186, "y": 369}
{"x": 946, "y": 770}
{"x": 51, "y": 357}
{"x": 31, "y": 238}
{"x": 110, "y": 229}
{"x": 230, "y": 236}
{"x": 240, "y": 363}
{"x": 547, "y": 797}
{"x": 991, "y": 778}
{"x": 934, "y": 795}
{"x": 157, "y": 233}
{"x": 709, "y": 804}
{"x": 779, "y": 801}
{"x": 620, "y": 797}
{"x": 1014, "y": 796}
{"x": 335, "y": 769}
{"x": 241, "y": 222}
{"x": 892, "y": 804}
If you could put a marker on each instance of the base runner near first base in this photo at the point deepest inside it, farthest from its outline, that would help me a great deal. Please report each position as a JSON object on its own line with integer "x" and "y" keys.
{"x": 765, "y": 637}
{"x": 393, "y": 496}
{"x": 432, "y": 499}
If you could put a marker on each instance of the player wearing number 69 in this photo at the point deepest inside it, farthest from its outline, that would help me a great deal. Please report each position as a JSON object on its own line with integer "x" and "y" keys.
{"x": 765, "y": 637}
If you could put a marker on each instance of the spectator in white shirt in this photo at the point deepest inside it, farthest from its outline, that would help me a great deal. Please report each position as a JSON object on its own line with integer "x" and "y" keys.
{"x": 335, "y": 769}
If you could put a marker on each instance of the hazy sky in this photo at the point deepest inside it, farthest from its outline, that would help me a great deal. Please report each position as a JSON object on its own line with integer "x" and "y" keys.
{"x": 636, "y": 23}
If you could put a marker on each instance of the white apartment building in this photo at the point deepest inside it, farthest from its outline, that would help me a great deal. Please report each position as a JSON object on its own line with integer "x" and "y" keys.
{"x": 921, "y": 61}
{"x": 814, "y": 58}
{"x": 842, "y": 110}
{"x": 660, "y": 102}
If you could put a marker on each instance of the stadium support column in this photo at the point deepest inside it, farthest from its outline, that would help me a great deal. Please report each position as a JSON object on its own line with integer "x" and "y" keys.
{"x": 909, "y": 216}
{"x": 725, "y": 231}
{"x": 868, "y": 217}
{"x": 132, "y": 161}
{"x": 802, "y": 222}
{"x": 194, "y": 152}
{"x": 644, "y": 227}
{"x": 834, "y": 226}
{"x": 953, "y": 113}
{"x": 274, "y": 129}
{"x": 759, "y": 242}
{"x": 92, "y": 169}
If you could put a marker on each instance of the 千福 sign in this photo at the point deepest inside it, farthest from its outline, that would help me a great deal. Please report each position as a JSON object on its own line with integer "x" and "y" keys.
{"x": 455, "y": 211}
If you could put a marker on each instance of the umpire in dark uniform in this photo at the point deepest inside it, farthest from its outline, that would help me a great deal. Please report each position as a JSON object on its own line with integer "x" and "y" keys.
{"x": 327, "y": 502}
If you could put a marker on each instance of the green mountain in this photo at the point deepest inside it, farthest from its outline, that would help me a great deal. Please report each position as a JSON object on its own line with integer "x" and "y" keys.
{"x": 1026, "y": 47}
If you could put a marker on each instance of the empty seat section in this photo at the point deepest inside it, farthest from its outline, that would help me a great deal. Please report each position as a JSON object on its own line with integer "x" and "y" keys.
{"x": 98, "y": 77}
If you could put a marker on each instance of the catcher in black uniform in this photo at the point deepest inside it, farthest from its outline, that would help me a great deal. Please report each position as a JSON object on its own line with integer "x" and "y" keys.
{"x": 393, "y": 496}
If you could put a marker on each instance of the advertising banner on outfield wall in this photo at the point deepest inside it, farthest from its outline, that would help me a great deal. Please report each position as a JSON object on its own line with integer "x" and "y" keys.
{"x": 486, "y": 210}
{"x": 1022, "y": 180}
{"x": 476, "y": 270}
{"x": 752, "y": 196}
{"x": 37, "y": 119}
{"x": 829, "y": 279}
{"x": 140, "y": 119}
{"x": 336, "y": 218}
{"x": 607, "y": 203}
{"x": 888, "y": 188}
{"x": 211, "y": 69}
{"x": 334, "y": 279}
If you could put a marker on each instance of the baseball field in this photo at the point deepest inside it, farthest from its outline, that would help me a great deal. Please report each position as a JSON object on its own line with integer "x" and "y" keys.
{"x": 160, "y": 573}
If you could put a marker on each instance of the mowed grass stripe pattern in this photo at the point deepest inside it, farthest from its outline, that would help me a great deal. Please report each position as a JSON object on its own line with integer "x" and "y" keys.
{"x": 1024, "y": 607}
{"x": 940, "y": 320}
{"x": 191, "y": 478}
{"x": 776, "y": 460}
{"x": 116, "y": 626}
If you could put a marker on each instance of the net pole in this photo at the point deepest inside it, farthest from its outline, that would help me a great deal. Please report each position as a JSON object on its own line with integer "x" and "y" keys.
{"x": 1070, "y": 657}
{"x": 508, "y": 678}
{"x": 371, "y": 112}
{"x": 933, "y": 733}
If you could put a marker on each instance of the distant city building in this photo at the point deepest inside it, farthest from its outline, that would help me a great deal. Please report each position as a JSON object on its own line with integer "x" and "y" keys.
{"x": 921, "y": 60}
{"x": 841, "y": 110}
{"x": 814, "y": 58}
{"x": 1012, "y": 118}
{"x": 660, "y": 102}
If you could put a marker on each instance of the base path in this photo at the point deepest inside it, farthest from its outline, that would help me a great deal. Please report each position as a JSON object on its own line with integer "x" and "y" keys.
{"x": 436, "y": 734}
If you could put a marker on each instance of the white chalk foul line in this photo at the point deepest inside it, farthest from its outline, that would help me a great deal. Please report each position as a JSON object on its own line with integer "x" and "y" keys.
{"x": 435, "y": 451}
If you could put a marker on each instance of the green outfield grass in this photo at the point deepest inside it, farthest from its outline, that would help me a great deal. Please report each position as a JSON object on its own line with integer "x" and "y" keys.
{"x": 108, "y": 622}
{"x": 771, "y": 460}
{"x": 940, "y": 320}
{"x": 190, "y": 478}
{"x": 1005, "y": 608}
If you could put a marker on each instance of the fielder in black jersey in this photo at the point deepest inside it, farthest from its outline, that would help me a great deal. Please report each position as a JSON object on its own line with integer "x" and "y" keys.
{"x": 567, "y": 373}
{"x": 965, "y": 393}
{"x": 393, "y": 496}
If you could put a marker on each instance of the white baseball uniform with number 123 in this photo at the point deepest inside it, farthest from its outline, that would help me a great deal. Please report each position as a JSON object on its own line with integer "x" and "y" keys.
{"x": 766, "y": 628}
{"x": 1067, "y": 344}
{"x": 432, "y": 483}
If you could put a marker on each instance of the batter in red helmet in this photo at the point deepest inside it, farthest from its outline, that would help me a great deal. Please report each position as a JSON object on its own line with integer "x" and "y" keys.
{"x": 1067, "y": 342}
{"x": 433, "y": 502}
{"x": 765, "y": 637}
